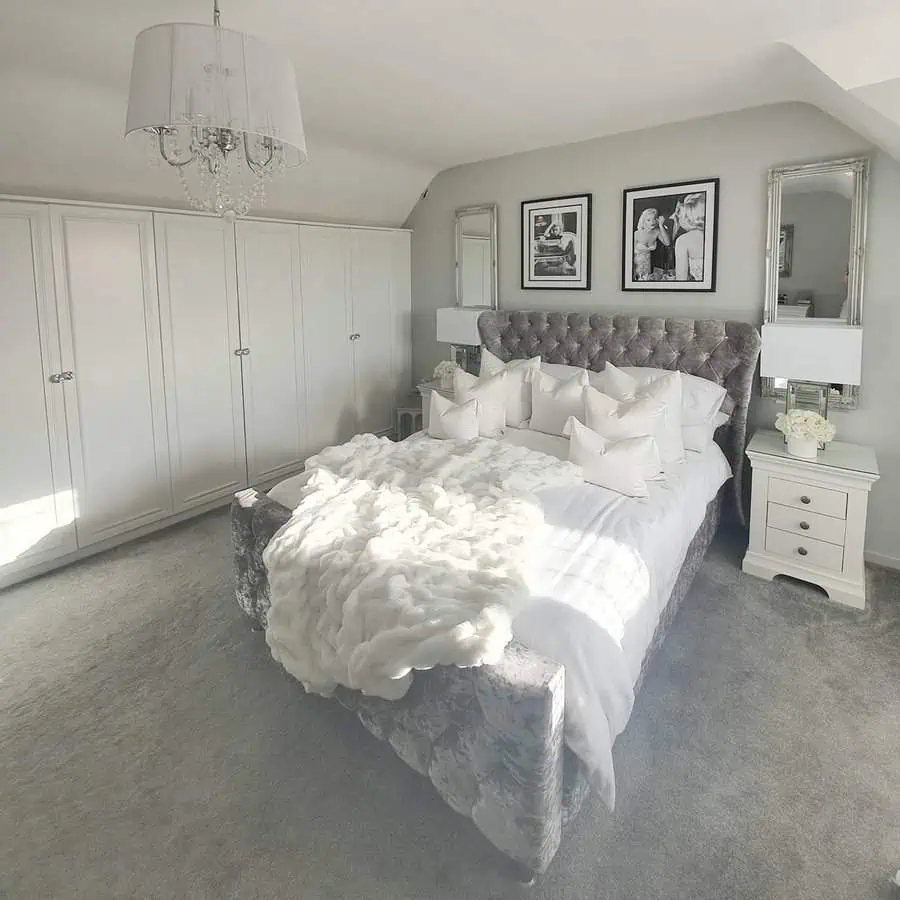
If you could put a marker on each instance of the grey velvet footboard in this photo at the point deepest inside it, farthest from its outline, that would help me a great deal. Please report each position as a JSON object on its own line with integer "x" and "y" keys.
{"x": 490, "y": 738}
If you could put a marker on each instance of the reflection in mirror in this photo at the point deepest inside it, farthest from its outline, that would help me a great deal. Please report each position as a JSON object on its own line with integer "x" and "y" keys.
{"x": 815, "y": 251}
{"x": 476, "y": 256}
{"x": 814, "y": 246}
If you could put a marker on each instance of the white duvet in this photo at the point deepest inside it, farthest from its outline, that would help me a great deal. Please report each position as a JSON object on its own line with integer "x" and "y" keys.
{"x": 599, "y": 571}
{"x": 402, "y": 556}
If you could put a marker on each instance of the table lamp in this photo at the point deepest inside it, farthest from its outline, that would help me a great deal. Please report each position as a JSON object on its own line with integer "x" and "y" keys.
{"x": 458, "y": 327}
{"x": 812, "y": 358}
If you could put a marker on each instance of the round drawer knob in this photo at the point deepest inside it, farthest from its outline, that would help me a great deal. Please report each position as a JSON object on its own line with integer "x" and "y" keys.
{"x": 804, "y": 526}
{"x": 802, "y": 551}
{"x": 805, "y": 499}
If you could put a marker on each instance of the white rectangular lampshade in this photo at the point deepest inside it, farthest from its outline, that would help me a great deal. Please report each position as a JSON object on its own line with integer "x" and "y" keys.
{"x": 456, "y": 325}
{"x": 802, "y": 351}
{"x": 189, "y": 74}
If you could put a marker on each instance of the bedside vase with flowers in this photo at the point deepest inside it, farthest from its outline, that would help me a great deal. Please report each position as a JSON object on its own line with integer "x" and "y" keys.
{"x": 804, "y": 431}
{"x": 443, "y": 372}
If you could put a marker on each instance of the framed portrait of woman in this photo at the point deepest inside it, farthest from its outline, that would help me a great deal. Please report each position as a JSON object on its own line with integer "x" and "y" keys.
{"x": 670, "y": 236}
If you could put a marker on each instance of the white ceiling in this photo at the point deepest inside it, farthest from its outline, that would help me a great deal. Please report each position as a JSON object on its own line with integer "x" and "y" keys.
{"x": 395, "y": 91}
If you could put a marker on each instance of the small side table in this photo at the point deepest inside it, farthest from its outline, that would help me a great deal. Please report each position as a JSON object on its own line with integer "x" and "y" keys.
{"x": 808, "y": 516}
{"x": 407, "y": 420}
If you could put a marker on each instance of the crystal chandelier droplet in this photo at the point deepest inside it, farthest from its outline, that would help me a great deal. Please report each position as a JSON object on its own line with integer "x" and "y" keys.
{"x": 219, "y": 107}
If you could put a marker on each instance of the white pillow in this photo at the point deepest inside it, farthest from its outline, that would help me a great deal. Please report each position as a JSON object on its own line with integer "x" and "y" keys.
{"x": 700, "y": 437}
{"x": 701, "y": 398}
{"x": 563, "y": 373}
{"x": 519, "y": 373}
{"x": 623, "y": 466}
{"x": 490, "y": 393}
{"x": 620, "y": 420}
{"x": 554, "y": 400}
{"x": 447, "y": 421}
{"x": 666, "y": 388}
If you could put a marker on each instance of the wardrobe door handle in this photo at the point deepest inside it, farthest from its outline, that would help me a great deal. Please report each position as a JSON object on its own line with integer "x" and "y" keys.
{"x": 804, "y": 526}
{"x": 805, "y": 499}
{"x": 354, "y": 336}
{"x": 802, "y": 551}
{"x": 242, "y": 351}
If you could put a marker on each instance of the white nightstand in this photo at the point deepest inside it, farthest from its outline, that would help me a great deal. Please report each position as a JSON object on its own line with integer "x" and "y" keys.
{"x": 808, "y": 517}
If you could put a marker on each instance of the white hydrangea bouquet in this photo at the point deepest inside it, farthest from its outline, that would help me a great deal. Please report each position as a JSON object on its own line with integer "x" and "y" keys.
{"x": 804, "y": 431}
{"x": 443, "y": 372}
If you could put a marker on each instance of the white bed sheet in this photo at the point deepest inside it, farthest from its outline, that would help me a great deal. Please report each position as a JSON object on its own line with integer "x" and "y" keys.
{"x": 603, "y": 569}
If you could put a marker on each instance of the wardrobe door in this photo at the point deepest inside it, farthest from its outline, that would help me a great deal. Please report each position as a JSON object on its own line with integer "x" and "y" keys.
{"x": 36, "y": 510}
{"x": 271, "y": 317}
{"x": 200, "y": 341}
{"x": 324, "y": 265}
{"x": 380, "y": 316}
{"x": 115, "y": 403}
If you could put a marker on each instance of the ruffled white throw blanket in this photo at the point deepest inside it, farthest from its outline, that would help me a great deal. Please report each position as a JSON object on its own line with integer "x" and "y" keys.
{"x": 404, "y": 556}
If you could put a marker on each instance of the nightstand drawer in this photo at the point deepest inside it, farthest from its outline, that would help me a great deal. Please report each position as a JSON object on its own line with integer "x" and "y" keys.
{"x": 803, "y": 550}
{"x": 805, "y": 496}
{"x": 806, "y": 524}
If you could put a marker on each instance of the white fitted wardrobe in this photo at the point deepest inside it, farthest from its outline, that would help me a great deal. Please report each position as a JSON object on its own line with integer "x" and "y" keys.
{"x": 154, "y": 363}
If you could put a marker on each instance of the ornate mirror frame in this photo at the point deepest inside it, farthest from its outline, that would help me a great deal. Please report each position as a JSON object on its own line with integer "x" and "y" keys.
{"x": 859, "y": 167}
{"x": 490, "y": 209}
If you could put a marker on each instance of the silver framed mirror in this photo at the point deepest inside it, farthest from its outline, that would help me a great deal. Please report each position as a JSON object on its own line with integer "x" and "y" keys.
{"x": 476, "y": 256}
{"x": 815, "y": 252}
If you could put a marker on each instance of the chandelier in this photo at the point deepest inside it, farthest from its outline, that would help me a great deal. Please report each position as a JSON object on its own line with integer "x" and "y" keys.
{"x": 218, "y": 106}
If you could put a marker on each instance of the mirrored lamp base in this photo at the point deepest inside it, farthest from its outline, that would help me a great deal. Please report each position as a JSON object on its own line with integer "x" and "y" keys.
{"x": 808, "y": 395}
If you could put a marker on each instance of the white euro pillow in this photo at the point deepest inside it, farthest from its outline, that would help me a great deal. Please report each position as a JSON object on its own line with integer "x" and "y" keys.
{"x": 554, "y": 400}
{"x": 599, "y": 380}
{"x": 622, "y": 466}
{"x": 519, "y": 373}
{"x": 699, "y": 438}
{"x": 490, "y": 393}
{"x": 701, "y": 398}
{"x": 449, "y": 421}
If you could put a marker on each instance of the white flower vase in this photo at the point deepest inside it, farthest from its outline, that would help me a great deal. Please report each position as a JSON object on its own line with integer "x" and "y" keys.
{"x": 447, "y": 382}
{"x": 803, "y": 447}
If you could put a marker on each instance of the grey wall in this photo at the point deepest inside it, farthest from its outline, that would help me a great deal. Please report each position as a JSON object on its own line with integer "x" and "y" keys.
{"x": 739, "y": 148}
{"x": 821, "y": 221}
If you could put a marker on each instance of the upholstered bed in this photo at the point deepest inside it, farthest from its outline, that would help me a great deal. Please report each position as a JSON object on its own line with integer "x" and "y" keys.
{"x": 491, "y": 738}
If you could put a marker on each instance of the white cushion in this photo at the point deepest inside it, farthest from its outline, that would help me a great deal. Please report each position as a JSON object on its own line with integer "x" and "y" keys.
{"x": 553, "y": 401}
{"x": 563, "y": 373}
{"x": 665, "y": 388}
{"x": 701, "y": 398}
{"x": 448, "y": 421}
{"x": 519, "y": 373}
{"x": 700, "y": 437}
{"x": 490, "y": 392}
{"x": 620, "y": 420}
{"x": 623, "y": 466}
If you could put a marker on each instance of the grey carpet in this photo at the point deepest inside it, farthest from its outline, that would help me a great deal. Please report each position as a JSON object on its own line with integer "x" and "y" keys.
{"x": 149, "y": 748}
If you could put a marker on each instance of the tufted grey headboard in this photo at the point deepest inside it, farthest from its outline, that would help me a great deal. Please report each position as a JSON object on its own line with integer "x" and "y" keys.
{"x": 723, "y": 352}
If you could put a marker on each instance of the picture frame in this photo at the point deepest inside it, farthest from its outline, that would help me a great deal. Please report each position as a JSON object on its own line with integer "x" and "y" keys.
{"x": 678, "y": 249}
{"x": 556, "y": 243}
{"x": 785, "y": 250}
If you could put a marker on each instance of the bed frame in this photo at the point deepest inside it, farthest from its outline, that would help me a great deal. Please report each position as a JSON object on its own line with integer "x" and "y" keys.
{"x": 490, "y": 738}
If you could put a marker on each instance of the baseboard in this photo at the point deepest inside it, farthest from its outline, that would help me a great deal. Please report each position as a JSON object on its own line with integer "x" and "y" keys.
{"x": 882, "y": 559}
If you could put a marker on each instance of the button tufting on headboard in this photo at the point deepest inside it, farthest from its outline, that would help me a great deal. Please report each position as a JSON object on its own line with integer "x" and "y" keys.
{"x": 722, "y": 351}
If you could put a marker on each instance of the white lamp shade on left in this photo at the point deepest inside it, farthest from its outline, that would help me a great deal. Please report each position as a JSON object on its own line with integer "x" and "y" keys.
{"x": 457, "y": 325}
{"x": 202, "y": 75}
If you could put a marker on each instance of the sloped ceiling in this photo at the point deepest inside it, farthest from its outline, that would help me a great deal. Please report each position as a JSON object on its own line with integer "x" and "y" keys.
{"x": 394, "y": 92}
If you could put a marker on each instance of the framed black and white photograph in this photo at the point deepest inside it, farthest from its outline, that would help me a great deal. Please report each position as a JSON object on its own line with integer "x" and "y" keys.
{"x": 556, "y": 243}
{"x": 785, "y": 250}
{"x": 669, "y": 237}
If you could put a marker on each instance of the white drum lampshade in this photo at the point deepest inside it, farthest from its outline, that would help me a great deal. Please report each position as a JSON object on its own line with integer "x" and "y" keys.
{"x": 220, "y": 106}
{"x": 802, "y": 351}
{"x": 458, "y": 326}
